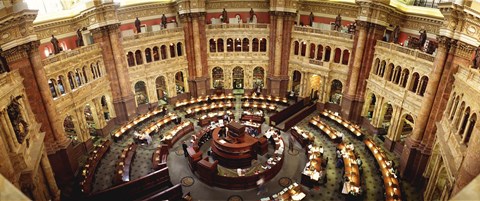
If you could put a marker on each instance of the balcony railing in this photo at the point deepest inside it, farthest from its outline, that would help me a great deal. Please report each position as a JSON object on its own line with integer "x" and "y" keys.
{"x": 154, "y": 33}
{"x": 237, "y": 26}
{"x": 409, "y": 51}
{"x": 70, "y": 53}
{"x": 323, "y": 32}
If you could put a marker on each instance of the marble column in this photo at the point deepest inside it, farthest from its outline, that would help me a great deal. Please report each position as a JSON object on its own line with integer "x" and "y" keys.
{"x": 110, "y": 41}
{"x": 469, "y": 169}
{"x": 7, "y": 131}
{"x": 52, "y": 184}
{"x": 7, "y": 169}
{"x": 365, "y": 39}
{"x": 408, "y": 163}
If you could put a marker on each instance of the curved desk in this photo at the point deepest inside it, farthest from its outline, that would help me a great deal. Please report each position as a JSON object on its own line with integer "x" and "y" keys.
{"x": 234, "y": 153}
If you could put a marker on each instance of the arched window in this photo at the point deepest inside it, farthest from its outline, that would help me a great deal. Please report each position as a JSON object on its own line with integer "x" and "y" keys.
{"x": 406, "y": 127}
{"x": 255, "y": 45}
{"x": 52, "y": 85}
{"x": 390, "y": 70}
{"x": 238, "y": 45}
{"x": 179, "y": 83}
{"x": 77, "y": 78}
{"x": 93, "y": 69}
{"x": 156, "y": 55}
{"x": 456, "y": 120}
{"x": 319, "y": 52}
{"x": 71, "y": 80}
{"x": 304, "y": 48}
{"x": 414, "y": 83}
{"x": 138, "y": 57}
{"x": 218, "y": 78}
{"x": 470, "y": 126}
{"x": 381, "y": 72}
{"x": 172, "y": 50}
{"x": 141, "y": 93}
{"x": 336, "y": 92}
{"x": 179, "y": 49}
{"x": 238, "y": 76}
{"x": 263, "y": 45}
{"x": 213, "y": 45}
{"x": 296, "y": 79}
{"x": 346, "y": 57}
{"x": 404, "y": 80}
{"x": 229, "y": 45}
{"x": 90, "y": 118}
{"x": 69, "y": 128}
{"x": 245, "y": 45}
{"x": 130, "y": 59}
{"x": 312, "y": 51}
{"x": 258, "y": 76}
{"x": 61, "y": 87}
{"x": 99, "y": 71}
{"x": 454, "y": 108}
{"x": 85, "y": 77}
{"x": 338, "y": 55}
{"x": 328, "y": 50}
{"x": 371, "y": 107}
{"x": 296, "y": 47}
{"x": 148, "y": 55}
{"x": 423, "y": 85}
{"x": 463, "y": 122}
{"x": 396, "y": 75}
{"x": 220, "y": 45}
{"x": 161, "y": 87}
{"x": 105, "y": 109}
{"x": 376, "y": 66}
{"x": 163, "y": 52}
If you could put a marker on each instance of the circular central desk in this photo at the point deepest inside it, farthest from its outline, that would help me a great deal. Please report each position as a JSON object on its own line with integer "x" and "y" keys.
{"x": 234, "y": 151}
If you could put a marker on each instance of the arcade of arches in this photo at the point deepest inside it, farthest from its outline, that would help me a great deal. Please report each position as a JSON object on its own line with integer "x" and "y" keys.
{"x": 222, "y": 100}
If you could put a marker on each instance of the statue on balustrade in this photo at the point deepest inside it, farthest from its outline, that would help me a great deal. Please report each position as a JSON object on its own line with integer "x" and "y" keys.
{"x": 396, "y": 34}
{"x": 20, "y": 126}
{"x": 338, "y": 23}
{"x": 352, "y": 28}
{"x": 422, "y": 39}
{"x": 164, "y": 21}
{"x": 56, "y": 47}
{"x": 137, "y": 25}
{"x": 311, "y": 17}
{"x": 79, "y": 38}
{"x": 224, "y": 16}
{"x": 252, "y": 14}
{"x": 476, "y": 60}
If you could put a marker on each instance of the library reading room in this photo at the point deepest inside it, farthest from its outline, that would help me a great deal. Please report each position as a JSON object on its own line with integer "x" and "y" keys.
{"x": 229, "y": 100}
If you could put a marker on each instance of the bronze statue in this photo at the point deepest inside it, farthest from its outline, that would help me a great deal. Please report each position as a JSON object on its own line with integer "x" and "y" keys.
{"x": 312, "y": 17}
{"x": 423, "y": 38}
{"x": 352, "y": 28}
{"x": 20, "y": 126}
{"x": 252, "y": 13}
{"x": 476, "y": 60}
{"x": 338, "y": 22}
{"x": 164, "y": 21}
{"x": 79, "y": 38}
{"x": 137, "y": 25}
{"x": 224, "y": 16}
{"x": 396, "y": 33}
{"x": 56, "y": 47}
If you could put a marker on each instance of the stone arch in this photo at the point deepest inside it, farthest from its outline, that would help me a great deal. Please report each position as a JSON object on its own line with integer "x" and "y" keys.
{"x": 296, "y": 80}
{"x": 71, "y": 130}
{"x": 218, "y": 78}
{"x": 180, "y": 82}
{"x": 130, "y": 59}
{"x": 230, "y": 45}
{"x": 319, "y": 52}
{"x": 163, "y": 52}
{"x": 414, "y": 83}
{"x": 140, "y": 90}
{"x": 238, "y": 45}
{"x": 258, "y": 77}
{"x": 255, "y": 45}
{"x": 220, "y": 47}
{"x": 148, "y": 55}
{"x": 238, "y": 77}
{"x": 52, "y": 84}
{"x": 105, "y": 104}
{"x": 423, "y": 85}
{"x": 406, "y": 127}
{"x": 91, "y": 118}
{"x": 245, "y": 45}
{"x": 303, "y": 48}
{"x": 396, "y": 74}
{"x": 463, "y": 121}
{"x": 336, "y": 89}
{"x": 311, "y": 54}
{"x": 263, "y": 45}
{"x": 386, "y": 116}
{"x": 179, "y": 49}
{"x": 346, "y": 56}
{"x": 376, "y": 66}
{"x": 370, "y": 102}
{"x": 381, "y": 71}
{"x": 338, "y": 55}
{"x": 213, "y": 45}
{"x": 172, "y": 50}
{"x": 161, "y": 88}
{"x": 156, "y": 54}
{"x": 468, "y": 132}
{"x": 390, "y": 71}
{"x": 296, "y": 48}
{"x": 404, "y": 78}
{"x": 138, "y": 57}
{"x": 61, "y": 85}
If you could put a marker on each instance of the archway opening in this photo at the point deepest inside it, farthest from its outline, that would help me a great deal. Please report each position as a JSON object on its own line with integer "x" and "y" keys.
{"x": 258, "y": 76}
{"x": 69, "y": 128}
{"x": 296, "y": 78}
{"x": 87, "y": 111}
{"x": 179, "y": 83}
{"x": 161, "y": 88}
{"x": 141, "y": 93}
{"x": 237, "y": 76}
{"x": 387, "y": 116}
{"x": 371, "y": 107}
{"x": 407, "y": 127}
{"x": 218, "y": 78}
{"x": 336, "y": 92}
{"x": 105, "y": 108}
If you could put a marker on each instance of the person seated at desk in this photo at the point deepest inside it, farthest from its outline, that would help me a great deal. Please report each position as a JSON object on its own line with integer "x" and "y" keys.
{"x": 226, "y": 117}
{"x": 350, "y": 146}
{"x": 321, "y": 150}
{"x": 340, "y": 135}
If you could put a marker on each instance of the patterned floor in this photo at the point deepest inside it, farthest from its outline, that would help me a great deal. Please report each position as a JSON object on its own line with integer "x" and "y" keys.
{"x": 294, "y": 163}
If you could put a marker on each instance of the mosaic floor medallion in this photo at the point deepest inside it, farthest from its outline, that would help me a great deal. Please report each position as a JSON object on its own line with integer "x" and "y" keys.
{"x": 293, "y": 153}
{"x": 235, "y": 198}
{"x": 284, "y": 182}
{"x": 179, "y": 152}
{"x": 187, "y": 181}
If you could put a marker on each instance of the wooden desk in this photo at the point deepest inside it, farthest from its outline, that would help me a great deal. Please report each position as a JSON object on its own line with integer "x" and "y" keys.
{"x": 325, "y": 128}
{"x": 254, "y": 118}
{"x": 208, "y": 107}
{"x": 256, "y": 105}
{"x": 303, "y": 137}
{"x": 160, "y": 123}
{"x": 350, "y": 165}
{"x": 88, "y": 171}
{"x": 117, "y": 135}
{"x": 213, "y": 116}
{"x": 292, "y": 192}
{"x": 200, "y": 138}
{"x": 202, "y": 99}
{"x": 177, "y": 133}
{"x": 159, "y": 157}
{"x": 234, "y": 154}
{"x": 123, "y": 165}
{"x": 348, "y": 125}
{"x": 391, "y": 184}
{"x": 271, "y": 99}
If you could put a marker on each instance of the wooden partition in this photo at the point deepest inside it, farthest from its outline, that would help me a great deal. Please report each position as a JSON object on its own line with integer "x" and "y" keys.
{"x": 172, "y": 193}
{"x": 299, "y": 117}
{"x": 135, "y": 189}
{"x": 88, "y": 172}
{"x": 286, "y": 113}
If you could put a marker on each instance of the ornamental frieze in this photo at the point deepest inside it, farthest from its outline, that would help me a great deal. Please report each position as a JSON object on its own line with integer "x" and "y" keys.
{"x": 211, "y": 5}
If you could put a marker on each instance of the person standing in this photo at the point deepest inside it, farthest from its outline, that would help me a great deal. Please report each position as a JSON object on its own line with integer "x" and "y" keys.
{"x": 185, "y": 146}
{"x": 137, "y": 25}
{"x": 338, "y": 23}
{"x": 261, "y": 185}
{"x": 164, "y": 21}
{"x": 79, "y": 38}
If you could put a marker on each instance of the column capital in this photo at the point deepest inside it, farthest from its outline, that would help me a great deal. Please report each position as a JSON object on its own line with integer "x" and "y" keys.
{"x": 21, "y": 51}
{"x": 283, "y": 13}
